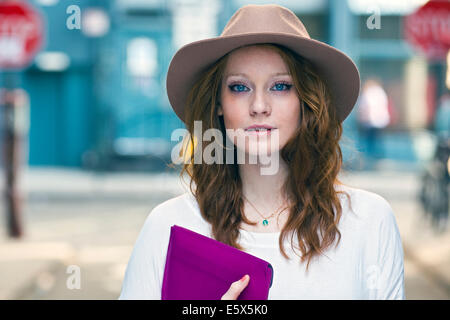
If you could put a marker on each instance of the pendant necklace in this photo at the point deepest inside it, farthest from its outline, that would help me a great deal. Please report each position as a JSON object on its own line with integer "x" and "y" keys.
{"x": 265, "y": 221}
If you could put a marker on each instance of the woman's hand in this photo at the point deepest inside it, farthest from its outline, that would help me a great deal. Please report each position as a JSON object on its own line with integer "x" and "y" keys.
{"x": 236, "y": 288}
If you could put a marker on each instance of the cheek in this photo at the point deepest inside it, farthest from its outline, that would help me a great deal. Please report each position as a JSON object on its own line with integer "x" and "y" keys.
{"x": 228, "y": 109}
{"x": 291, "y": 116}
{"x": 233, "y": 115}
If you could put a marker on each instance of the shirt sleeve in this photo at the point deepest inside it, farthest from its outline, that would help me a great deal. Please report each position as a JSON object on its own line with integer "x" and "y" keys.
{"x": 145, "y": 269}
{"x": 386, "y": 276}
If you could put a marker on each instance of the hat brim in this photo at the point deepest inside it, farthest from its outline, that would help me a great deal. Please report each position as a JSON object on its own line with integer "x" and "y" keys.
{"x": 337, "y": 70}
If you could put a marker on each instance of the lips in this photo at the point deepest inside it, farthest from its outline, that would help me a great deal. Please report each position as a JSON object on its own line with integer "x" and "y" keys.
{"x": 259, "y": 129}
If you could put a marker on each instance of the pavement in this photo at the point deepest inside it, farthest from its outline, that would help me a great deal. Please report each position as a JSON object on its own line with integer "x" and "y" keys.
{"x": 80, "y": 228}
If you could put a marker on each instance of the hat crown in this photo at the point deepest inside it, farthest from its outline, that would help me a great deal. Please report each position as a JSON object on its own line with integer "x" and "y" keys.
{"x": 271, "y": 18}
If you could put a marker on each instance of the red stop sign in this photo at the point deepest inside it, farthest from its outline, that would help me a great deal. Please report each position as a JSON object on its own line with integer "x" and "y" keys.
{"x": 428, "y": 28}
{"x": 21, "y": 34}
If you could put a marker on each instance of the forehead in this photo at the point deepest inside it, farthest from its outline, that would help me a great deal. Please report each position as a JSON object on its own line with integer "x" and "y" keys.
{"x": 255, "y": 60}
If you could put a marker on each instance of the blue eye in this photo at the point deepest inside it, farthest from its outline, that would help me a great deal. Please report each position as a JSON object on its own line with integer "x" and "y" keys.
{"x": 282, "y": 85}
{"x": 240, "y": 86}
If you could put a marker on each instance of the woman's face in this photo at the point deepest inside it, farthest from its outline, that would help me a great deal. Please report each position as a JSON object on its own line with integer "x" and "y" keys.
{"x": 257, "y": 89}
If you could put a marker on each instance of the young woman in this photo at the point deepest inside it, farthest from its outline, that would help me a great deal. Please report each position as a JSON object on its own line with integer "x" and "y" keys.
{"x": 325, "y": 240}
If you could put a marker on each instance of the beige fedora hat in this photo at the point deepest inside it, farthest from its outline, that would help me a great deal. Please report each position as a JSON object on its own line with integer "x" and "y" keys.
{"x": 268, "y": 23}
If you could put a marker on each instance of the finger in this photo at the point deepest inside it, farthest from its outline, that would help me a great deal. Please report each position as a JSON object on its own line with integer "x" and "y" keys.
{"x": 236, "y": 288}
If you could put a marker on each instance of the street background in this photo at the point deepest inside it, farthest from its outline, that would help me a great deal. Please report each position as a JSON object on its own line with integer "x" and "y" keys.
{"x": 86, "y": 129}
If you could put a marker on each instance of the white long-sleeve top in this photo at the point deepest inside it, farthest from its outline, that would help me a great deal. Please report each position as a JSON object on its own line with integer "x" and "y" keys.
{"x": 366, "y": 264}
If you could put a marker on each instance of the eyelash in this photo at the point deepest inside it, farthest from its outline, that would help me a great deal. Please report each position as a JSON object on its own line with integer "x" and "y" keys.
{"x": 287, "y": 84}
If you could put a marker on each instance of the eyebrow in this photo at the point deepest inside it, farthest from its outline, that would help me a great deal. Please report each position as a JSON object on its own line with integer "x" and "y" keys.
{"x": 245, "y": 75}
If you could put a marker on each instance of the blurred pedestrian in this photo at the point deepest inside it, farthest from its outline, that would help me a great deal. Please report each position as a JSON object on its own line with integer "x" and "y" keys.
{"x": 373, "y": 117}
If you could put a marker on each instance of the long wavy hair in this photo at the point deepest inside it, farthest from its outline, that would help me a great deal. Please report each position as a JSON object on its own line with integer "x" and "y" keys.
{"x": 316, "y": 207}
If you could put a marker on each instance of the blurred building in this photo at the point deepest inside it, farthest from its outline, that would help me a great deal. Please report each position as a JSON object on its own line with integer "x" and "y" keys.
{"x": 97, "y": 90}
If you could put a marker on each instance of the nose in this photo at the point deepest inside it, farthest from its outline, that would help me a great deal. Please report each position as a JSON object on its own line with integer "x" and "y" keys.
{"x": 260, "y": 105}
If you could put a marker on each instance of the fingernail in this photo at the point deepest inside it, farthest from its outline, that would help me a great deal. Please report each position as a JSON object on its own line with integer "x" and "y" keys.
{"x": 244, "y": 278}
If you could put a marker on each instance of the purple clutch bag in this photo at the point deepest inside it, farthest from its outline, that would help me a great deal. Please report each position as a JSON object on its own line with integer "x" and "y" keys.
{"x": 201, "y": 268}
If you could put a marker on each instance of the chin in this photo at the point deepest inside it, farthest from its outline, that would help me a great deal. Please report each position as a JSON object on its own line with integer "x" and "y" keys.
{"x": 259, "y": 150}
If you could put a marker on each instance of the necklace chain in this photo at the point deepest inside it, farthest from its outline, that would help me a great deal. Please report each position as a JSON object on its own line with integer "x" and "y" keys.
{"x": 265, "y": 219}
